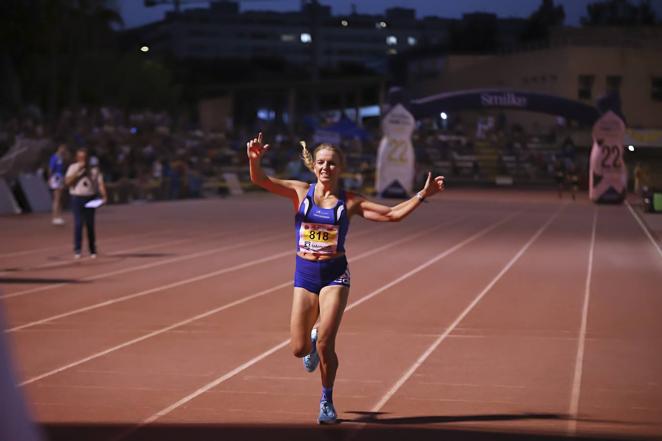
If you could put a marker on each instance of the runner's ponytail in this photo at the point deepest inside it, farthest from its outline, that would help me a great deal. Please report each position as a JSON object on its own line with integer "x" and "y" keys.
{"x": 307, "y": 157}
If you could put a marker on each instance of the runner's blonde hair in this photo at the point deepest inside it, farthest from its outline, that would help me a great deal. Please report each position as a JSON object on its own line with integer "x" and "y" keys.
{"x": 309, "y": 158}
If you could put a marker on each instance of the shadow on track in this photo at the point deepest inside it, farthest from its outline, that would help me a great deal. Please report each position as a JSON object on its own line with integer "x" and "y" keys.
{"x": 377, "y": 418}
{"x": 36, "y": 281}
{"x": 312, "y": 432}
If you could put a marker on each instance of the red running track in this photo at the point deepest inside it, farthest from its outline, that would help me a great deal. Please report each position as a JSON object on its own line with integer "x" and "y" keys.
{"x": 484, "y": 315}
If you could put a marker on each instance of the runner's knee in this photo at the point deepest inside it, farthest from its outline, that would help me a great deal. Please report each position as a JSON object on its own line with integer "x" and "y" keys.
{"x": 325, "y": 346}
{"x": 300, "y": 348}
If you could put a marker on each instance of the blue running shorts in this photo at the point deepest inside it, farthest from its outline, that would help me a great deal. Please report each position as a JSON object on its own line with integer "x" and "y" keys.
{"x": 313, "y": 275}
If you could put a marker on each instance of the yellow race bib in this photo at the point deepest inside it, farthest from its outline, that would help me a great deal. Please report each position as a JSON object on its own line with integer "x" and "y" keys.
{"x": 318, "y": 238}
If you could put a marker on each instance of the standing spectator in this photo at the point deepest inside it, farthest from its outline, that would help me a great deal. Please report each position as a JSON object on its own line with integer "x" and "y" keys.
{"x": 56, "y": 182}
{"x": 85, "y": 183}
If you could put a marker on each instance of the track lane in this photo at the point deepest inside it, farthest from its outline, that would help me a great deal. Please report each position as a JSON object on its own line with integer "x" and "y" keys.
{"x": 173, "y": 363}
{"x": 621, "y": 386}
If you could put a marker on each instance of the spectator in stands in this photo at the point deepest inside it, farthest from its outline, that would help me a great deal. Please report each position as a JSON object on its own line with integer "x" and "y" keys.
{"x": 573, "y": 179}
{"x": 178, "y": 175}
{"x": 638, "y": 178}
{"x": 475, "y": 168}
{"x": 85, "y": 183}
{"x": 559, "y": 175}
{"x": 56, "y": 182}
{"x": 293, "y": 168}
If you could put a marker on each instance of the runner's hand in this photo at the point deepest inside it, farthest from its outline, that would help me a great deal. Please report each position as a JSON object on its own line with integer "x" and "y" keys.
{"x": 433, "y": 186}
{"x": 255, "y": 149}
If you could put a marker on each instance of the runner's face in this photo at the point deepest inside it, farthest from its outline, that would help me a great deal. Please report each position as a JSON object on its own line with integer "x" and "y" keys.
{"x": 327, "y": 165}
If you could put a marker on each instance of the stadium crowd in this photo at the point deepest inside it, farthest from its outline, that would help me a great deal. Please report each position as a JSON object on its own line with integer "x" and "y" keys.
{"x": 151, "y": 156}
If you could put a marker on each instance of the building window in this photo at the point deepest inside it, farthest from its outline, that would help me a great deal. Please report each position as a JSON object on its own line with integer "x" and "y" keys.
{"x": 585, "y": 89}
{"x": 614, "y": 83}
{"x": 288, "y": 38}
{"x": 656, "y": 88}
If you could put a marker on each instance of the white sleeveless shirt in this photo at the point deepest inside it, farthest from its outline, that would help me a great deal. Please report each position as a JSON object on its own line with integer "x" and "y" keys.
{"x": 87, "y": 185}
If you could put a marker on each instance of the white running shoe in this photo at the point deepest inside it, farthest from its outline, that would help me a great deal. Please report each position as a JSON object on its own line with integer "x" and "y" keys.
{"x": 327, "y": 413}
{"x": 311, "y": 360}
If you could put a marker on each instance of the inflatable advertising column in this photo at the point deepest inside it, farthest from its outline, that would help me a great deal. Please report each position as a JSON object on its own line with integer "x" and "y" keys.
{"x": 395, "y": 157}
{"x": 608, "y": 175}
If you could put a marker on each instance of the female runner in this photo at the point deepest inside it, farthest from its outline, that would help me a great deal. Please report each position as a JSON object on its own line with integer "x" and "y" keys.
{"x": 321, "y": 278}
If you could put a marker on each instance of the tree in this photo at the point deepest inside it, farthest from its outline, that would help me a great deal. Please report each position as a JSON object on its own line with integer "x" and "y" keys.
{"x": 541, "y": 20}
{"x": 142, "y": 83}
{"x": 619, "y": 13}
{"x": 17, "y": 35}
{"x": 42, "y": 43}
{"x": 91, "y": 32}
{"x": 475, "y": 33}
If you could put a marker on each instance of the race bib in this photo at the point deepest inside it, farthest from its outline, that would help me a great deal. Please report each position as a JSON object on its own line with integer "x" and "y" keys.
{"x": 318, "y": 238}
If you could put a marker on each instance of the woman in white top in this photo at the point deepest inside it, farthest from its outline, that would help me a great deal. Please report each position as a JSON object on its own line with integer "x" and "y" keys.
{"x": 85, "y": 183}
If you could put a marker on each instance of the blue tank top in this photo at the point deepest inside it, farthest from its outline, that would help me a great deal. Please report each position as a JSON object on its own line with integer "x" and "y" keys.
{"x": 56, "y": 165}
{"x": 321, "y": 230}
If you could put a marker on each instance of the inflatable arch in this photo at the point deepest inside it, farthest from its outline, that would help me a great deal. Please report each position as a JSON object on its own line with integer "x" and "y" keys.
{"x": 395, "y": 158}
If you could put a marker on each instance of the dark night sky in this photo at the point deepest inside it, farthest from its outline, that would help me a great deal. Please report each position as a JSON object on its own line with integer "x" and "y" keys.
{"x": 135, "y": 14}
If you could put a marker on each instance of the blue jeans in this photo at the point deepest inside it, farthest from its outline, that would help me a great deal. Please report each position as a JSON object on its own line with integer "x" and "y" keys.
{"x": 86, "y": 216}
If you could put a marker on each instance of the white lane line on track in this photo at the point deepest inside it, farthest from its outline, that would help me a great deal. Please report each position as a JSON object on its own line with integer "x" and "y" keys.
{"x": 133, "y": 268}
{"x": 401, "y": 381}
{"x": 118, "y": 253}
{"x": 59, "y": 247}
{"x": 221, "y": 308}
{"x": 284, "y": 343}
{"x": 167, "y": 286}
{"x": 154, "y": 333}
{"x": 141, "y": 267}
{"x": 150, "y": 291}
{"x": 116, "y": 272}
{"x": 579, "y": 359}
{"x": 643, "y": 227}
